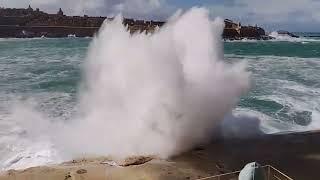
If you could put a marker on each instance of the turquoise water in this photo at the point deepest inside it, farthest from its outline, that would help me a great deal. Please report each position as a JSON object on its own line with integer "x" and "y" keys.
{"x": 304, "y": 49}
{"x": 286, "y": 81}
{"x": 285, "y": 75}
{"x": 45, "y": 74}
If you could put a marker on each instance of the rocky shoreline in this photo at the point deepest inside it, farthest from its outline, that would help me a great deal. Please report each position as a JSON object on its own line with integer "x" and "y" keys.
{"x": 295, "y": 154}
{"x": 30, "y": 23}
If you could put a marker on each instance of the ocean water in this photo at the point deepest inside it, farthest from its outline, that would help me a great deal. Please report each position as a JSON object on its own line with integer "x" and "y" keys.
{"x": 286, "y": 82}
{"x": 45, "y": 75}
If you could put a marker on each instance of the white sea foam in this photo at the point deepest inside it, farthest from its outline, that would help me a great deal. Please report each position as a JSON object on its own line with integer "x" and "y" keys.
{"x": 244, "y": 40}
{"x": 37, "y": 154}
{"x": 25, "y": 132}
{"x": 287, "y": 81}
{"x": 72, "y": 36}
{"x": 294, "y": 105}
{"x": 278, "y": 38}
{"x": 285, "y": 37}
{"x": 268, "y": 124}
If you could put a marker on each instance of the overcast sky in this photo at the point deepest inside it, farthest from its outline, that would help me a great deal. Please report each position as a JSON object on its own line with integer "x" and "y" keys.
{"x": 292, "y": 15}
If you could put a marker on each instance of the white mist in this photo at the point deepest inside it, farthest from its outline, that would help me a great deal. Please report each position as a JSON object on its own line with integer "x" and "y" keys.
{"x": 144, "y": 94}
{"x": 158, "y": 94}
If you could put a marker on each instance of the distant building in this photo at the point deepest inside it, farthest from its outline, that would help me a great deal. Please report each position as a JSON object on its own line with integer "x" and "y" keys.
{"x": 60, "y": 12}
{"x": 232, "y": 25}
{"x": 30, "y": 9}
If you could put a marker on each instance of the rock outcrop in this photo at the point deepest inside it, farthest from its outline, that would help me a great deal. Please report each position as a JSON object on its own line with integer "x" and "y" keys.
{"x": 286, "y": 33}
{"x": 295, "y": 154}
{"x": 234, "y": 31}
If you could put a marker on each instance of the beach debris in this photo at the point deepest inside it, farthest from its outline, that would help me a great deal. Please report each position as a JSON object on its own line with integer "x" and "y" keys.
{"x": 135, "y": 160}
{"x": 110, "y": 163}
{"x": 130, "y": 161}
{"x": 221, "y": 168}
{"x": 81, "y": 171}
{"x": 68, "y": 175}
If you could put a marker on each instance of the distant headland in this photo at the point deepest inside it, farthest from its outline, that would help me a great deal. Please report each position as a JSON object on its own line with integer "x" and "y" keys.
{"x": 30, "y": 23}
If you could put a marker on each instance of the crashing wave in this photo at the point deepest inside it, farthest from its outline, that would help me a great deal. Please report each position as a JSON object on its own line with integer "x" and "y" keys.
{"x": 290, "y": 38}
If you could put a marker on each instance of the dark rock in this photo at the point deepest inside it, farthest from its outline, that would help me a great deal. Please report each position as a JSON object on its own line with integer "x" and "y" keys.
{"x": 235, "y": 31}
{"x": 81, "y": 171}
{"x": 134, "y": 160}
{"x": 67, "y": 176}
{"x": 281, "y": 32}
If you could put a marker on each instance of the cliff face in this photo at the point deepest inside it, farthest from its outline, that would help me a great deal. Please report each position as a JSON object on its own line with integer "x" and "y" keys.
{"x": 25, "y": 23}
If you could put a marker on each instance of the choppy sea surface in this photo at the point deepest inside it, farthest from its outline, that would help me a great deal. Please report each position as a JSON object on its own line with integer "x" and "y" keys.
{"x": 45, "y": 74}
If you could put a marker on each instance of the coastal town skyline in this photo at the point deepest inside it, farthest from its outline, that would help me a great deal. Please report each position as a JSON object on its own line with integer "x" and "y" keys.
{"x": 30, "y": 23}
{"x": 294, "y": 15}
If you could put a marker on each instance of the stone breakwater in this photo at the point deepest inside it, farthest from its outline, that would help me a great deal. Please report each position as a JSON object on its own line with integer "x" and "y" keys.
{"x": 46, "y": 31}
{"x": 58, "y": 30}
{"x": 17, "y": 31}
{"x": 29, "y": 23}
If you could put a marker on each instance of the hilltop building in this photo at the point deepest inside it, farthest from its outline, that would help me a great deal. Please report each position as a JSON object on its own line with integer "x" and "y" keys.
{"x": 29, "y": 9}
{"x": 60, "y": 12}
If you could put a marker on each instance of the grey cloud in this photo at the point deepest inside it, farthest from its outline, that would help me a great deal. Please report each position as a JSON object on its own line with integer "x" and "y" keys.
{"x": 292, "y": 15}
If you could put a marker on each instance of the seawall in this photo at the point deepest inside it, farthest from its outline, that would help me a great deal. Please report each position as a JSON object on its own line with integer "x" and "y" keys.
{"x": 7, "y": 31}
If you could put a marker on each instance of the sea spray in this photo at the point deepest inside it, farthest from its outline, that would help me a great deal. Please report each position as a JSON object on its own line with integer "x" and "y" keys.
{"x": 153, "y": 94}
{"x": 47, "y": 70}
{"x": 288, "y": 38}
{"x": 145, "y": 94}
